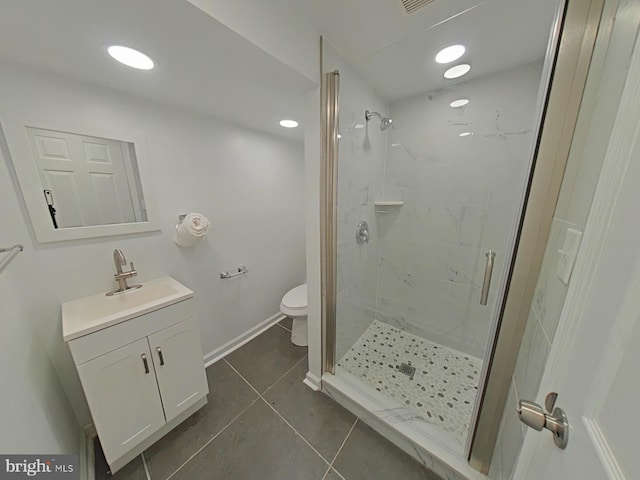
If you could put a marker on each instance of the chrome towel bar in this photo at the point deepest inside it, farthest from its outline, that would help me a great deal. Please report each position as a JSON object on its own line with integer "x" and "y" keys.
{"x": 13, "y": 251}
{"x": 241, "y": 270}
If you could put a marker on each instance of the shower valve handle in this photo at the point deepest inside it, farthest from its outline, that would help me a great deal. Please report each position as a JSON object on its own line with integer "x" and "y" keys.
{"x": 362, "y": 233}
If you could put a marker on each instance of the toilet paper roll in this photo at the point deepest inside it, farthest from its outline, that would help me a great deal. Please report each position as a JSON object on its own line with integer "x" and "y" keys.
{"x": 191, "y": 230}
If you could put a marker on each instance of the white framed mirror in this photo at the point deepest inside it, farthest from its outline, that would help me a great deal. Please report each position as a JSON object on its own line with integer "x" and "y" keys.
{"x": 80, "y": 181}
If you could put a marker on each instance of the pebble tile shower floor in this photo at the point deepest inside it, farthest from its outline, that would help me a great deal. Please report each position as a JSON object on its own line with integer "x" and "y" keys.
{"x": 443, "y": 388}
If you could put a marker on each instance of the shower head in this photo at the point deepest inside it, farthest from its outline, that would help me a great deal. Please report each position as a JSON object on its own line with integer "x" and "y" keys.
{"x": 385, "y": 122}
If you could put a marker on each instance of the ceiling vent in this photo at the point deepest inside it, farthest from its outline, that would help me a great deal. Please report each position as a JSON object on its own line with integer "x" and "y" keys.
{"x": 412, "y": 6}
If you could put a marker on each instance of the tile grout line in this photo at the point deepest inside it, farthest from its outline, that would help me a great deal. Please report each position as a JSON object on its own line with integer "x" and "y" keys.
{"x": 242, "y": 377}
{"x": 214, "y": 437}
{"x": 282, "y": 326}
{"x": 331, "y": 469}
{"x": 324, "y": 477}
{"x": 296, "y": 431}
{"x": 146, "y": 467}
{"x": 278, "y": 413}
{"x": 338, "y": 453}
{"x": 344, "y": 442}
{"x": 286, "y": 373}
{"x": 270, "y": 386}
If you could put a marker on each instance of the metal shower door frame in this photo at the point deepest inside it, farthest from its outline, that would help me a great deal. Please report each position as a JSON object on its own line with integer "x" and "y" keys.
{"x": 572, "y": 44}
{"x": 328, "y": 211}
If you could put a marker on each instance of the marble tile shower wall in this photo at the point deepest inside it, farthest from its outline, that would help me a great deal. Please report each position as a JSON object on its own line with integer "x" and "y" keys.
{"x": 460, "y": 198}
{"x": 362, "y": 150}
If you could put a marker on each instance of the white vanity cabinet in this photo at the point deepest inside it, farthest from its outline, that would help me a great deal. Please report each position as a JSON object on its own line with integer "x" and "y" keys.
{"x": 143, "y": 375}
{"x": 124, "y": 399}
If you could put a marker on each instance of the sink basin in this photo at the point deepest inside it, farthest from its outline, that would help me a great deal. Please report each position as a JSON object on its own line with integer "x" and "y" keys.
{"x": 90, "y": 314}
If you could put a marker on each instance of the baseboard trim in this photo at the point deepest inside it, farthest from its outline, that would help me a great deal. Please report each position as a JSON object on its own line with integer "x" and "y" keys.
{"x": 87, "y": 457}
{"x": 313, "y": 382}
{"x": 220, "y": 352}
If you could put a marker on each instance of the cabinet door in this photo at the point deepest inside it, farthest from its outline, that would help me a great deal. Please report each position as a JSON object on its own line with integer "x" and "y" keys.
{"x": 177, "y": 356}
{"x": 123, "y": 397}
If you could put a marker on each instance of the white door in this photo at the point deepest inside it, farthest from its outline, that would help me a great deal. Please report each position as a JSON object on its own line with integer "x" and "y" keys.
{"x": 123, "y": 397}
{"x": 177, "y": 356}
{"x": 86, "y": 175}
{"x": 595, "y": 359}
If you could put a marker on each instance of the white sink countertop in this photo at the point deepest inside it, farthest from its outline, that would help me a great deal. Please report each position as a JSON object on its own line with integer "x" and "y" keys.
{"x": 96, "y": 312}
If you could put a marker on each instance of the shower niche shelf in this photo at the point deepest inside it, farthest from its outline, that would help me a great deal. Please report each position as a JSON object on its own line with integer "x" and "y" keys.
{"x": 387, "y": 206}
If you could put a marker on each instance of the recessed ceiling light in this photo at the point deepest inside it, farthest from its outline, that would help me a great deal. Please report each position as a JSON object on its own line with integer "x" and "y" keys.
{"x": 288, "y": 123}
{"x": 450, "y": 54}
{"x": 457, "y": 71}
{"x": 465, "y": 134}
{"x": 130, "y": 57}
{"x": 461, "y": 102}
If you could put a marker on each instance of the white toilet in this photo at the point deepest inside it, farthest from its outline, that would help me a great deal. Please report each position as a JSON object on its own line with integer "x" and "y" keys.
{"x": 294, "y": 305}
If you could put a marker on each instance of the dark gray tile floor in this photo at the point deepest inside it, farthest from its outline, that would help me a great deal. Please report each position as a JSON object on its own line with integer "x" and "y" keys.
{"x": 134, "y": 470}
{"x": 286, "y": 323}
{"x": 263, "y": 423}
{"x": 266, "y": 358}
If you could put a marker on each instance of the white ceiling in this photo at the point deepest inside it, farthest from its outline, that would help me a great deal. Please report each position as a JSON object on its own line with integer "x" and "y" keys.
{"x": 395, "y": 52}
{"x": 201, "y": 65}
{"x": 205, "y": 67}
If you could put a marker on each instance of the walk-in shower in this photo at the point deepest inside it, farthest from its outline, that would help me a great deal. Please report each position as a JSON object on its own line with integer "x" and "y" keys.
{"x": 411, "y": 314}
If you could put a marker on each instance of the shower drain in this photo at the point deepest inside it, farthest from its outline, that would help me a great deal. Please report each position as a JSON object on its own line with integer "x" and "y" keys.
{"x": 408, "y": 370}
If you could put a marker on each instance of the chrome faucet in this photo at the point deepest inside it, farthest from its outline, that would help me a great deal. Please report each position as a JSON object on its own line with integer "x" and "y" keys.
{"x": 121, "y": 276}
{"x": 119, "y": 260}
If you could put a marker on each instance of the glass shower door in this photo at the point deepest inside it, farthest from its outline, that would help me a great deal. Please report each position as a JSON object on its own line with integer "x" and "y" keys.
{"x": 438, "y": 171}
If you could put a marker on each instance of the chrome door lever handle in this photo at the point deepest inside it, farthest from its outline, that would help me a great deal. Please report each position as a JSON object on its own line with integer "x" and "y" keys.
{"x": 533, "y": 415}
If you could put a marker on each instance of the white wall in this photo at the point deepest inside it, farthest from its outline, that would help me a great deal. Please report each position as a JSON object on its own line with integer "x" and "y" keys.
{"x": 361, "y": 159}
{"x": 461, "y": 197}
{"x": 34, "y": 412}
{"x": 312, "y": 152}
{"x": 249, "y": 184}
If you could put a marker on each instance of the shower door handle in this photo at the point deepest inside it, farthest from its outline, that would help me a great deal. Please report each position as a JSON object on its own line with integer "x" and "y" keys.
{"x": 488, "y": 272}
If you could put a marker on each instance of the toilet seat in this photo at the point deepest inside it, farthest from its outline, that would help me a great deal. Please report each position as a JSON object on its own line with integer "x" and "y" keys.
{"x": 294, "y": 303}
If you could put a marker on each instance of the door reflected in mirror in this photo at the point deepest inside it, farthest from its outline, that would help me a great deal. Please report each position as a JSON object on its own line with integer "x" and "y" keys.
{"x": 87, "y": 181}
{"x": 80, "y": 180}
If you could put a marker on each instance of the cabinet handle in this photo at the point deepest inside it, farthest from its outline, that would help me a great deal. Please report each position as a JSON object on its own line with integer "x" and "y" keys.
{"x": 145, "y": 362}
{"x": 159, "y": 350}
